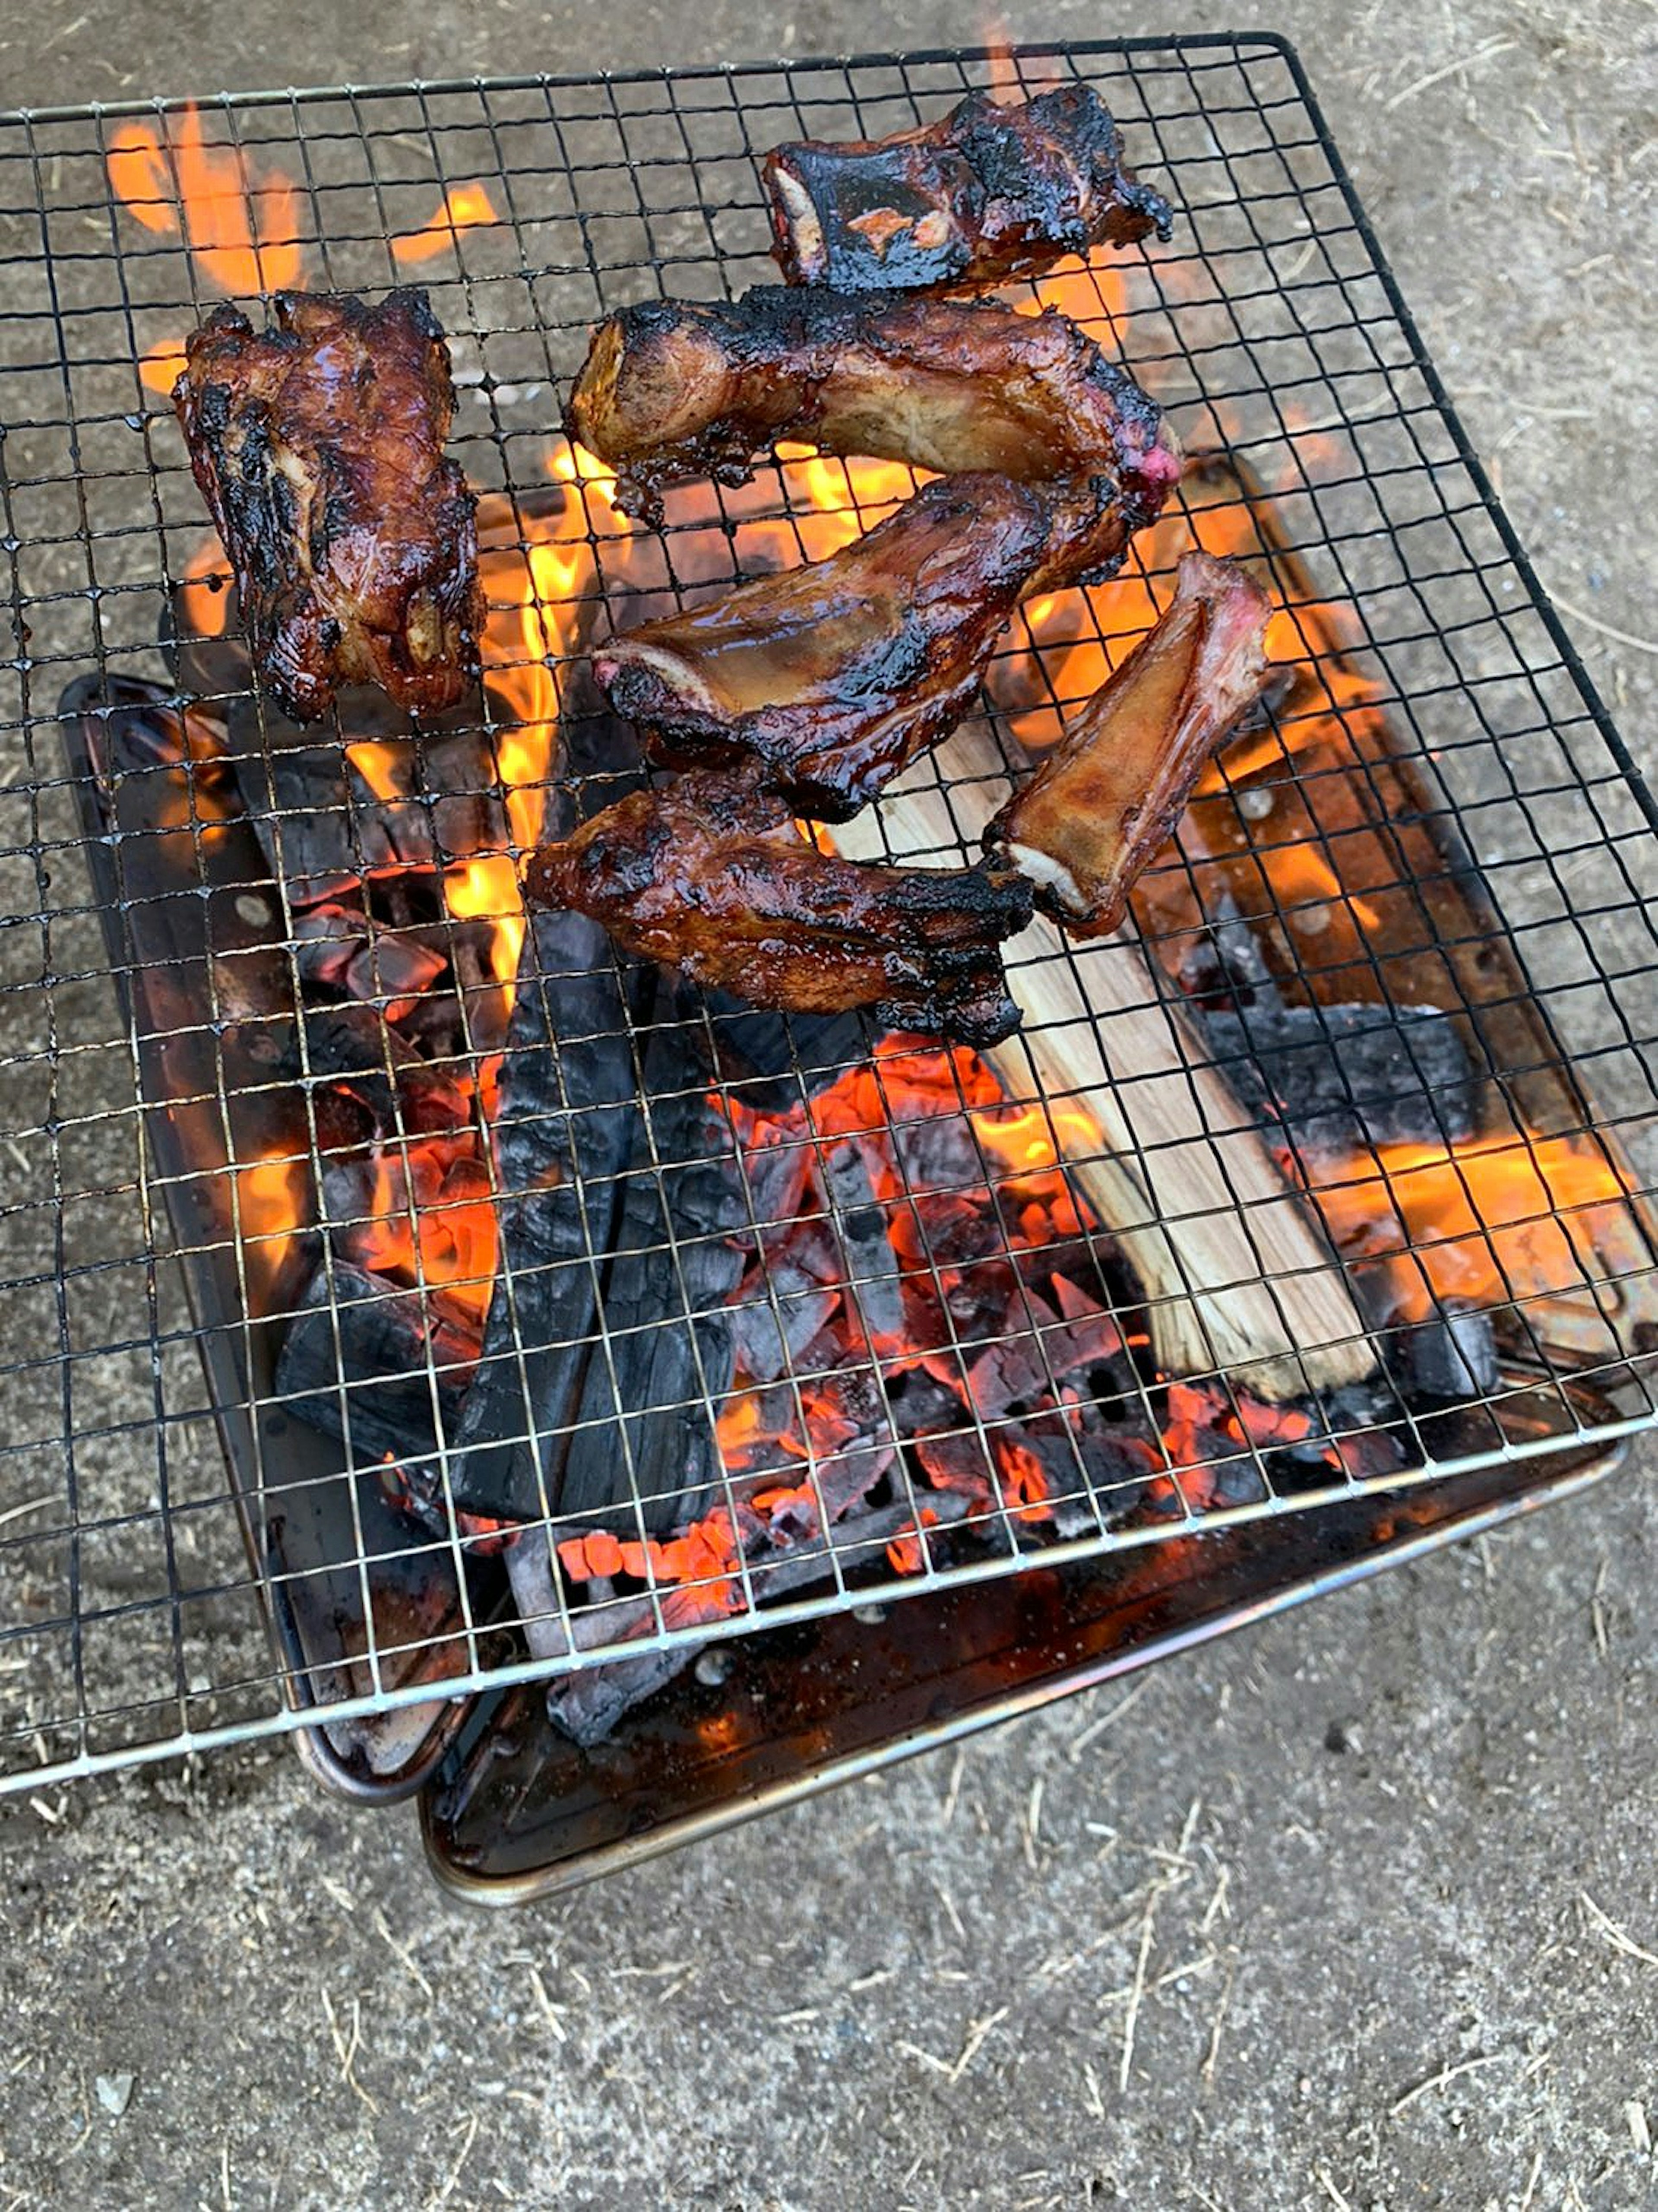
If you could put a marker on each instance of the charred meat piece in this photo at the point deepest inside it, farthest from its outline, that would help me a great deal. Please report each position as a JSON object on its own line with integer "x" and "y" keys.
{"x": 835, "y": 675}
{"x": 985, "y": 194}
{"x": 1108, "y": 795}
{"x": 319, "y": 446}
{"x": 713, "y": 876}
{"x": 674, "y": 389}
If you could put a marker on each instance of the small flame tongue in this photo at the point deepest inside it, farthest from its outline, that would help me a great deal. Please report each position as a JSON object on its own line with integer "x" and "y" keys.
{"x": 240, "y": 224}
{"x": 464, "y": 207}
{"x": 1475, "y": 1225}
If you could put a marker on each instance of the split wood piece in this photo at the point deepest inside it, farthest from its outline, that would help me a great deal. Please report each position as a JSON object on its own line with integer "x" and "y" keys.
{"x": 1235, "y": 1274}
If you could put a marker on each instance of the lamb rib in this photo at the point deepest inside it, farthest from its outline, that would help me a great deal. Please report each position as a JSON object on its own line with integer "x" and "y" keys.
{"x": 318, "y": 445}
{"x": 836, "y": 674}
{"x": 1109, "y": 794}
{"x": 673, "y": 389}
{"x": 712, "y": 876}
{"x": 987, "y": 193}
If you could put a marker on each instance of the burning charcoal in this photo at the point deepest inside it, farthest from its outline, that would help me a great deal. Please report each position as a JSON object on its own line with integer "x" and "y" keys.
{"x": 958, "y": 1464}
{"x": 939, "y": 1152}
{"x": 1062, "y": 1495}
{"x": 1446, "y": 1360}
{"x": 1006, "y": 1374}
{"x": 753, "y": 1424}
{"x": 643, "y": 1411}
{"x": 776, "y": 1176}
{"x": 589, "y": 1705}
{"x": 350, "y": 1044}
{"x": 1207, "y": 1441}
{"x": 846, "y": 1477}
{"x": 1341, "y": 1078}
{"x": 804, "y": 1310}
{"x": 873, "y": 1272}
{"x": 390, "y": 1339}
{"x": 921, "y": 1403}
{"x": 563, "y": 1134}
{"x": 341, "y": 949}
{"x": 814, "y": 1250}
{"x": 1088, "y": 1347}
{"x": 1120, "y": 1462}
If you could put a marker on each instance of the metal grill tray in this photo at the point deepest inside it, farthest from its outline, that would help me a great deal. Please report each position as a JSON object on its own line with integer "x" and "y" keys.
{"x": 129, "y": 1622}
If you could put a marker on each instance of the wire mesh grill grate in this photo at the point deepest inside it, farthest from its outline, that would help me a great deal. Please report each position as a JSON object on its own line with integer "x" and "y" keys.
{"x": 1449, "y": 711}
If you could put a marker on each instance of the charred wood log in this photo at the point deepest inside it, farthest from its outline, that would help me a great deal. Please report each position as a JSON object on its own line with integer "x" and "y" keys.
{"x": 1339, "y": 1078}
{"x": 647, "y": 1410}
{"x": 563, "y": 1134}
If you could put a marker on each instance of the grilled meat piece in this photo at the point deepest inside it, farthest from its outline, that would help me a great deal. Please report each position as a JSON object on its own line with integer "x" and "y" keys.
{"x": 1108, "y": 795}
{"x": 673, "y": 389}
{"x": 985, "y": 194}
{"x": 837, "y": 674}
{"x": 713, "y": 876}
{"x": 319, "y": 446}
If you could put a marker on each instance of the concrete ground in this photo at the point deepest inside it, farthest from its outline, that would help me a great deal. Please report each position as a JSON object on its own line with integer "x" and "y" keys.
{"x": 1391, "y": 1865}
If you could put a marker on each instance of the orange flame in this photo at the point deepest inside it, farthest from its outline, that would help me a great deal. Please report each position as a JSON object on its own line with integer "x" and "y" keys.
{"x": 537, "y": 574}
{"x": 206, "y": 583}
{"x": 464, "y": 207}
{"x": 379, "y": 766}
{"x": 160, "y": 369}
{"x": 1303, "y": 880}
{"x": 238, "y": 224}
{"x": 269, "y": 1197}
{"x": 1500, "y": 1218}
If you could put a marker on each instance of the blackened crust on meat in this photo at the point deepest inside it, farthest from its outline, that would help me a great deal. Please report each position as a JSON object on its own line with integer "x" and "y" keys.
{"x": 712, "y": 876}
{"x": 837, "y": 675}
{"x": 675, "y": 389}
{"x": 988, "y": 193}
{"x": 318, "y": 445}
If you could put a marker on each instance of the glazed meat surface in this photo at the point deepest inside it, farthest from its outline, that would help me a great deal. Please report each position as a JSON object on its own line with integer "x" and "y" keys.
{"x": 835, "y": 675}
{"x": 985, "y": 194}
{"x": 318, "y": 445}
{"x": 675, "y": 389}
{"x": 1108, "y": 795}
{"x": 713, "y": 876}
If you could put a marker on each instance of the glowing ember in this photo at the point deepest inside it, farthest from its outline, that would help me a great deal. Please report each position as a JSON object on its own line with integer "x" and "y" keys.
{"x": 904, "y": 1553}
{"x": 430, "y": 1221}
{"x": 464, "y": 207}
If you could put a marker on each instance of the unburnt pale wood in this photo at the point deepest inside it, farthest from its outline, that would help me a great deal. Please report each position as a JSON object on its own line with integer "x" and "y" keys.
{"x": 1235, "y": 1271}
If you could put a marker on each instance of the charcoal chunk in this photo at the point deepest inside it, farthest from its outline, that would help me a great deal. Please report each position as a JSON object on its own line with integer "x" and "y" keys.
{"x": 1447, "y": 1360}
{"x": 392, "y": 1352}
